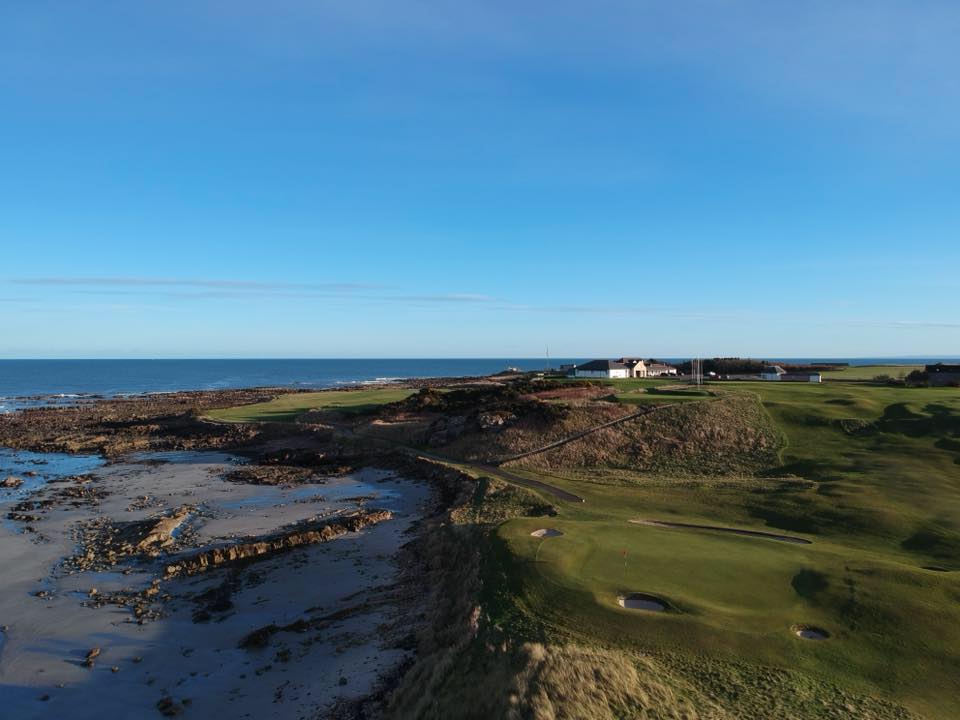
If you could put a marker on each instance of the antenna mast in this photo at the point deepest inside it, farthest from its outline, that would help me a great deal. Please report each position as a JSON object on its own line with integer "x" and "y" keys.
{"x": 696, "y": 372}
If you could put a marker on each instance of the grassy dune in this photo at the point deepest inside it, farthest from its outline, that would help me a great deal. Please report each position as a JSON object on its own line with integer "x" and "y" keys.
{"x": 287, "y": 408}
{"x": 727, "y": 434}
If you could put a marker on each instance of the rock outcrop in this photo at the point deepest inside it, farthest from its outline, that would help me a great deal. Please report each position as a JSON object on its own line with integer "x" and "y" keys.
{"x": 308, "y": 532}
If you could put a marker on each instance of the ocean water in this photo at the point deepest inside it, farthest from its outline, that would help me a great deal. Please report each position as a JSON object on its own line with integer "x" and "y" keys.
{"x": 25, "y": 383}
{"x": 36, "y": 469}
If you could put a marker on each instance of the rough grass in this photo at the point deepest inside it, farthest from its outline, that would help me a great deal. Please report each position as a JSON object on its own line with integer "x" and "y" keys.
{"x": 565, "y": 680}
{"x": 560, "y": 682}
{"x": 732, "y": 434}
{"x": 531, "y": 432}
{"x": 494, "y": 501}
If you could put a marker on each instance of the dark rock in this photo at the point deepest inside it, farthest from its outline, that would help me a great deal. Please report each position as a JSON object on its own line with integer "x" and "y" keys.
{"x": 169, "y": 708}
{"x": 259, "y": 638}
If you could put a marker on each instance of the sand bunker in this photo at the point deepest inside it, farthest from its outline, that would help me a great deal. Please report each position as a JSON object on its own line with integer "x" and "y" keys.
{"x": 546, "y": 532}
{"x": 642, "y": 601}
{"x": 716, "y": 528}
{"x": 810, "y": 632}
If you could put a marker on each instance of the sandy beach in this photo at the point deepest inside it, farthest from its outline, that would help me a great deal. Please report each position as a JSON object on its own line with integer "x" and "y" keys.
{"x": 183, "y": 653}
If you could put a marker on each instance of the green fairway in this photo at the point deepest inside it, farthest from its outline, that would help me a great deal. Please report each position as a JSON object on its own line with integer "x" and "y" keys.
{"x": 869, "y": 372}
{"x": 870, "y": 474}
{"x": 287, "y": 408}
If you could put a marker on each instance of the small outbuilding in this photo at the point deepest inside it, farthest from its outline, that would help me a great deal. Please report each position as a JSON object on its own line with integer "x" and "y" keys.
{"x": 801, "y": 376}
{"x": 772, "y": 372}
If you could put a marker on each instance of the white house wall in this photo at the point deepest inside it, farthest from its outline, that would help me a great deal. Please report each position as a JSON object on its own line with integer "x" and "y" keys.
{"x": 617, "y": 373}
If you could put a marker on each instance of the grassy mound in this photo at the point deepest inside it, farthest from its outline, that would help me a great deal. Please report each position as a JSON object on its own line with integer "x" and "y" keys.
{"x": 728, "y": 435}
{"x": 529, "y": 431}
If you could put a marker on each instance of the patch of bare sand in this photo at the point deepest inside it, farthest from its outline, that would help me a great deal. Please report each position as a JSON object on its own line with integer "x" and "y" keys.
{"x": 546, "y": 532}
{"x": 642, "y": 601}
{"x": 810, "y": 632}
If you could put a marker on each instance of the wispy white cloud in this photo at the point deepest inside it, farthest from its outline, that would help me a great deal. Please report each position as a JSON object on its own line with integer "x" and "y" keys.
{"x": 230, "y": 289}
{"x": 234, "y": 285}
{"x": 184, "y": 290}
{"x": 907, "y": 324}
{"x": 466, "y": 298}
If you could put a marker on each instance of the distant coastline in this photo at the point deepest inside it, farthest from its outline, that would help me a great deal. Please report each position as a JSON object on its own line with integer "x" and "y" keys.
{"x": 25, "y": 383}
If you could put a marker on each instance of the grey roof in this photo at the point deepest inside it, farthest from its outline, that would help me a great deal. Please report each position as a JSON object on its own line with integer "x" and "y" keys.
{"x": 602, "y": 365}
{"x": 769, "y": 369}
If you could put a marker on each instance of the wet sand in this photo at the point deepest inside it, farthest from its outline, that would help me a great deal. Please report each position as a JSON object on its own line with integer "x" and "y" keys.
{"x": 191, "y": 654}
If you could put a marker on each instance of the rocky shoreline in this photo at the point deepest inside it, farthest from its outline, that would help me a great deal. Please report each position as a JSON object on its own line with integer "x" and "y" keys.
{"x": 138, "y": 535}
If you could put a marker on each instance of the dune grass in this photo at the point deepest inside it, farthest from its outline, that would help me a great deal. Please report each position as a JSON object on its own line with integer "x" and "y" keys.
{"x": 287, "y": 408}
{"x": 880, "y": 499}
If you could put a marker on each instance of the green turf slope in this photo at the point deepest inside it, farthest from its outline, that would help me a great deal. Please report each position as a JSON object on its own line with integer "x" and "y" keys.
{"x": 869, "y": 474}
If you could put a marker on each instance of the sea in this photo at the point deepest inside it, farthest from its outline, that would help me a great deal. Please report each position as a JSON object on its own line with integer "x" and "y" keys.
{"x": 31, "y": 383}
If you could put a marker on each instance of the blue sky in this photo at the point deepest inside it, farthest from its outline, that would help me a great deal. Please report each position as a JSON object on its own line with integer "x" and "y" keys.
{"x": 384, "y": 179}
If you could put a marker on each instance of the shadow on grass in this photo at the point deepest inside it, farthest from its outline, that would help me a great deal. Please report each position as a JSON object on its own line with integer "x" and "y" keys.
{"x": 809, "y": 584}
{"x": 815, "y": 515}
{"x": 934, "y": 541}
{"x": 941, "y": 420}
{"x": 809, "y": 469}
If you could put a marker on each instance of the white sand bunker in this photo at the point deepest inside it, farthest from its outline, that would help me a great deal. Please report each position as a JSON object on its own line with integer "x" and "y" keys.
{"x": 642, "y": 601}
{"x": 809, "y": 632}
{"x": 546, "y": 532}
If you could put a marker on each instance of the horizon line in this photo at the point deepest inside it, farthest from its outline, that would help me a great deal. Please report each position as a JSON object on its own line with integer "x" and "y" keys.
{"x": 916, "y": 356}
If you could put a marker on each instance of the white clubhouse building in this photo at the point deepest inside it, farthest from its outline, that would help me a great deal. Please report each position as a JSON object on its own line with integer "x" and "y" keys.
{"x": 622, "y": 368}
